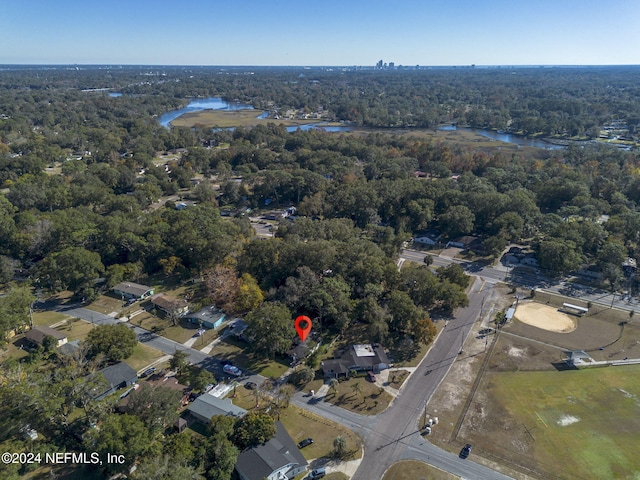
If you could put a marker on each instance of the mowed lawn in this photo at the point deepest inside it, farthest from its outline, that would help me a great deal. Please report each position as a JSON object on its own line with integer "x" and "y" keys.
{"x": 586, "y": 422}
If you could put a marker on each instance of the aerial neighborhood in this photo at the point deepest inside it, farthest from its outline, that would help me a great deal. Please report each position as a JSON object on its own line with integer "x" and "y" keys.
{"x": 466, "y": 259}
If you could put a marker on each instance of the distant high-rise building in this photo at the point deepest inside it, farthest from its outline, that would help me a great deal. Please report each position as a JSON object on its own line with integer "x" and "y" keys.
{"x": 392, "y": 65}
{"x": 379, "y": 64}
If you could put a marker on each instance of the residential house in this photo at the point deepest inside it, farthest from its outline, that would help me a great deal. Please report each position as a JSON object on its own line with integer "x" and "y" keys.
{"x": 356, "y": 357}
{"x": 430, "y": 237}
{"x": 130, "y": 290}
{"x": 208, "y": 317}
{"x": 169, "y": 305}
{"x": 467, "y": 241}
{"x": 277, "y": 459}
{"x": 117, "y": 376}
{"x": 238, "y": 328}
{"x": 37, "y": 335}
{"x": 206, "y": 406}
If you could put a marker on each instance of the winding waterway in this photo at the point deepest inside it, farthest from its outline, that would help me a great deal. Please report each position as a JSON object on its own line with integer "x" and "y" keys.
{"x": 216, "y": 103}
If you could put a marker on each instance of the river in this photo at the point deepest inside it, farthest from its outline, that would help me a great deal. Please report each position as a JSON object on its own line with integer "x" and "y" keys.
{"x": 216, "y": 103}
{"x": 506, "y": 137}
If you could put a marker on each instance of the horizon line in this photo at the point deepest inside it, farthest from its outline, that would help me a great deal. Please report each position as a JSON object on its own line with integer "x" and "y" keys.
{"x": 371, "y": 66}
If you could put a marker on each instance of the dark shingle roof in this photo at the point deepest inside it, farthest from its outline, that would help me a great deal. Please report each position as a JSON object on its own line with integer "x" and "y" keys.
{"x": 118, "y": 374}
{"x": 259, "y": 462}
{"x": 132, "y": 288}
{"x": 37, "y": 334}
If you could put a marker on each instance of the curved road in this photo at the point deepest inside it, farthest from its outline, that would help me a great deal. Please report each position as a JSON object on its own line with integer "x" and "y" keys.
{"x": 393, "y": 435}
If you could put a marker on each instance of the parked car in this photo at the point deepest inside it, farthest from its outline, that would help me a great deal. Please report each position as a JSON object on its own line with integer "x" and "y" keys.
{"x": 149, "y": 371}
{"x": 232, "y": 370}
{"x": 305, "y": 443}
{"x": 371, "y": 376}
{"x": 250, "y": 386}
{"x": 466, "y": 450}
{"x": 317, "y": 473}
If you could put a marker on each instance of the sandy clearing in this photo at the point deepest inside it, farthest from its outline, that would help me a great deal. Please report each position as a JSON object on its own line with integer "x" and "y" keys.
{"x": 545, "y": 317}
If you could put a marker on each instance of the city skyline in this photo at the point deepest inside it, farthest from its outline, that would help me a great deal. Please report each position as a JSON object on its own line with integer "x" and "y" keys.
{"x": 287, "y": 33}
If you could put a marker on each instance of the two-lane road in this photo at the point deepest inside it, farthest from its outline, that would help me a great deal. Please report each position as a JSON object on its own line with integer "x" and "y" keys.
{"x": 393, "y": 434}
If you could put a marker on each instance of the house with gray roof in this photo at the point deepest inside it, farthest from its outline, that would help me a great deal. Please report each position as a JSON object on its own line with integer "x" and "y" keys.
{"x": 131, "y": 290}
{"x": 37, "y": 335}
{"x": 208, "y": 317}
{"x": 206, "y": 406}
{"x": 277, "y": 459}
{"x": 117, "y": 376}
{"x": 356, "y": 358}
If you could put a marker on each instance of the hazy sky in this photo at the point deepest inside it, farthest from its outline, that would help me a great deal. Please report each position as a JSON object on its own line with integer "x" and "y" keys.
{"x": 320, "y": 32}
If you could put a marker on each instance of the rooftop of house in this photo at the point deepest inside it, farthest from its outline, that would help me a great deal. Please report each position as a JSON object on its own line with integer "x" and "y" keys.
{"x": 168, "y": 303}
{"x": 37, "y": 334}
{"x": 260, "y": 461}
{"x": 118, "y": 373}
{"x": 207, "y": 406}
{"x": 132, "y": 288}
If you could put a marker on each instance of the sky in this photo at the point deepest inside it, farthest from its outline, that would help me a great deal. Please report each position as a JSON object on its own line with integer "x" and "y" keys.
{"x": 320, "y": 32}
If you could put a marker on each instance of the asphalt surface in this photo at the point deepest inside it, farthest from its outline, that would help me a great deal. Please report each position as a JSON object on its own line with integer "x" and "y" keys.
{"x": 165, "y": 345}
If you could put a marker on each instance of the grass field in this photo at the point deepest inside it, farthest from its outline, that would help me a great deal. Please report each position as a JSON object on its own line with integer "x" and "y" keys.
{"x": 48, "y": 318}
{"x": 301, "y": 424}
{"x": 413, "y": 470}
{"x": 369, "y": 401}
{"x": 143, "y": 355}
{"x": 581, "y": 423}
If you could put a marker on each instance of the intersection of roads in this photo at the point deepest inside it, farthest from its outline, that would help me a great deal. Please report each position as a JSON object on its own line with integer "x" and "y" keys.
{"x": 394, "y": 434}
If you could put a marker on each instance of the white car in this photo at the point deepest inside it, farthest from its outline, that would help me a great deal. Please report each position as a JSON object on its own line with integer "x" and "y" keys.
{"x": 232, "y": 370}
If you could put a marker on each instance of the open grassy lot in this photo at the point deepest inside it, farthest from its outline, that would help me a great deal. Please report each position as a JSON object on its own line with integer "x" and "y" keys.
{"x": 369, "y": 400}
{"x": 397, "y": 378}
{"x": 75, "y": 329}
{"x": 48, "y": 318}
{"x": 413, "y": 470}
{"x": 590, "y": 419}
{"x": 142, "y": 356}
{"x": 235, "y": 351}
{"x": 301, "y": 424}
{"x": 106, "y": 304}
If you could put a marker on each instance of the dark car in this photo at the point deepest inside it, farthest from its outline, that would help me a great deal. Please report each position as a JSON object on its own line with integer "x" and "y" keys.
{"x": 250, "y": 386}
{"x": 466, "y": 450}
{"x": 305, "y": 443}
{"x": 148, "y": 371}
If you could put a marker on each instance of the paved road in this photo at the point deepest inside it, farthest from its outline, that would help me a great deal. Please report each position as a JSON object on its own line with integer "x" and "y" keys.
{"x": 393, "y": 434}
{"x": 528, "y": 279}
{"x": 158, "y": 342}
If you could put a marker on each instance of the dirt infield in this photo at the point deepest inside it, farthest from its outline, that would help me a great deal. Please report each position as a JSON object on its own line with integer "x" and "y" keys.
{"x": 545, "y": 317}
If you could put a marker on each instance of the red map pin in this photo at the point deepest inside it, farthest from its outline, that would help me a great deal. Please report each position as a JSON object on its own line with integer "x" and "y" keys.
{"x": 303, "y": 326}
